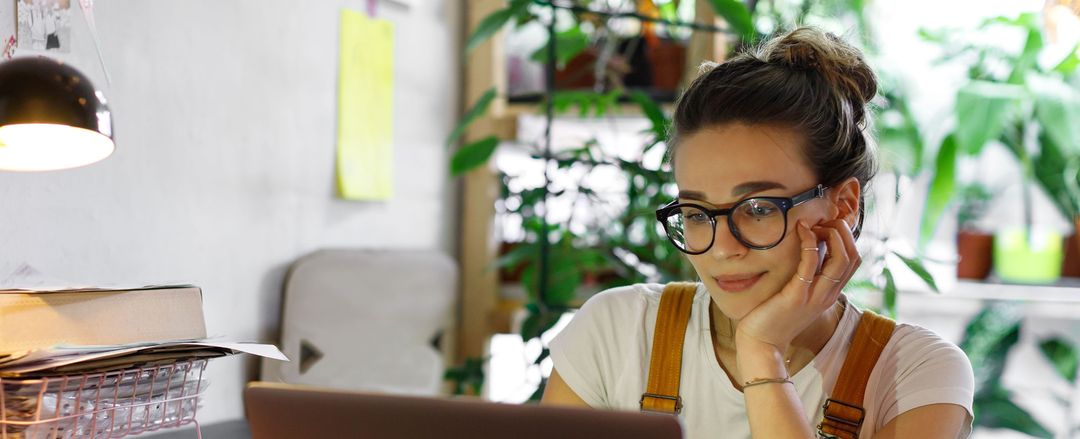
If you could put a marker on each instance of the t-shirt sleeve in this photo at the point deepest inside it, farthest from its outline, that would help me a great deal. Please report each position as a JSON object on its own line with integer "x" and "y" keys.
{"x": 584, "y": 350}
{"x": 925, "y": 369}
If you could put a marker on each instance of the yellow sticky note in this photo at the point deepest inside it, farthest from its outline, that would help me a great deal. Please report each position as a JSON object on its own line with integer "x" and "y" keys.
{"x": 365, "y": 108}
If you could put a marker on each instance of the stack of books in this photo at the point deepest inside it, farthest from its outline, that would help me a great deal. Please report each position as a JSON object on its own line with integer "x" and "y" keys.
{"x": 42, "y": 319}
{"x": 123, "y": 348}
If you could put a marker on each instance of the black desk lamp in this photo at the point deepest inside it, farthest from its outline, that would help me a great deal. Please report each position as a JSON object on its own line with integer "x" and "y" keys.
{"x": 51, "y": 117}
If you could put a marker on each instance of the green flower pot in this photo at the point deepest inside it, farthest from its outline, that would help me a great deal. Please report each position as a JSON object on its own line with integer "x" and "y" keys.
{"x": 1035, "y": 260}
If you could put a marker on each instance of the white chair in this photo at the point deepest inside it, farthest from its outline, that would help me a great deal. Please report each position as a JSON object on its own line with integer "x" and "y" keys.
{"x": 366, "y": 320}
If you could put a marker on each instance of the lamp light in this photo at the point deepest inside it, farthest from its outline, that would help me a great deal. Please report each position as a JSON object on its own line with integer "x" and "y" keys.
{"x": 51, "y": 117}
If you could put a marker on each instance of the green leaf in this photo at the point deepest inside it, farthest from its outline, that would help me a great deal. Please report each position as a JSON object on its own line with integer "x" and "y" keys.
{"x": 488, "y": 27}
{"x": 539, "y": 393}
{"x": 1029, "y": 58}
{"x": 607, "y": 101}
{"x": 982, "y": 108}
{"x": 901, "y": 137}
{"x": 938, "y": 36}
{"x": 861, "y": 284}
{"x": 1050, "y": 168}
{"x": 1063, "y": 356}
{"x": 470, "y": 373}
{"x": 538, "y": 322}
{"x": 583, "y": 100}
{"x": 521, "y": 253}
{"x": 996, "y": 410}
{"x": 473, "y": 155}
{"x": 568, "y": 44}
{"x": 1058, "y": 110}
{"x": 668, "y": 11}
{"x": 1068, "y": 65}
{"x": 889, "y": 299}
{"x": 478, "y": 108}
{"x": 916, "y": 266}
{"x": 565, "y": 278}
{"x": 942, "y": 188}
{"x": 988, "y": 338}
{"x": 737, "y": 17}
{"x": 494, "y": 23}
{"x": 565, "y": 275}
{"x": 660, "y": 122}
{"x": 544, "y": 354}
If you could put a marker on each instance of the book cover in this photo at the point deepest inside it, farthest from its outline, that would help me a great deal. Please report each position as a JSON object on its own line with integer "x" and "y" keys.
{"x": 41, "y": 319}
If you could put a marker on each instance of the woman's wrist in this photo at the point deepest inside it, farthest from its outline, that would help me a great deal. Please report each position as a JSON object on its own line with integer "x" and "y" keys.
{"x": 757, "y": 359}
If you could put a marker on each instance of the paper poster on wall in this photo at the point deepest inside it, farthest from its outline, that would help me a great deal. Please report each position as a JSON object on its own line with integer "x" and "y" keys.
{"x": 7, "y": 28}
{"x": 365, "y": 108}
{"x": 45, "y": 25}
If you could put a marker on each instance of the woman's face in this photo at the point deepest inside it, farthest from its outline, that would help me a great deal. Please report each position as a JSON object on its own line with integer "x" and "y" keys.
{"x": 719, "y": 166}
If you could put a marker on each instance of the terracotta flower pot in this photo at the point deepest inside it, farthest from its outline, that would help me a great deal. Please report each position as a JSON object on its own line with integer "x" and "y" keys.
{"x": 509, "y": 275}
{"x": 578, "y": 72}
{"x": 976, "y": 252}
{"x": 668, "y": 59}
{"x": 1071, "y": 265}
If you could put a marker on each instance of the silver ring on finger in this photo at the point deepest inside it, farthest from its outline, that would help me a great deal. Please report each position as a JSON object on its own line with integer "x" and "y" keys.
{"x": 835, "y": 281}
{"x": 810, "y": 249}
{"x": 804, "y": 280}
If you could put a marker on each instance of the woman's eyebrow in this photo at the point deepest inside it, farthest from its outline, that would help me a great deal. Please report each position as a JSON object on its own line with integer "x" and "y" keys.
{"x": 740, "y": 190}
{"x": 692, "y": 195}
{"x": 755, "y": 186}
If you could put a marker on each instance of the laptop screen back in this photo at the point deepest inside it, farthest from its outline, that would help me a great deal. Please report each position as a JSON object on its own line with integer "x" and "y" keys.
{"x": 279, "y": 411}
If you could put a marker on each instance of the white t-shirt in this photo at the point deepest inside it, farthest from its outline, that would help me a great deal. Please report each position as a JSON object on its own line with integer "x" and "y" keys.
{"x": 603, "y": 355}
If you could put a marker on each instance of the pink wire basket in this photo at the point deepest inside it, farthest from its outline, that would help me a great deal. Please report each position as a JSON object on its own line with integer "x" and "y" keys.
{"x": 102, "y": 405}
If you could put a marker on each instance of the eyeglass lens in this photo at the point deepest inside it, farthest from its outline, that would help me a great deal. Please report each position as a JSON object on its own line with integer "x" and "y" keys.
{"x": 755, "y": 222}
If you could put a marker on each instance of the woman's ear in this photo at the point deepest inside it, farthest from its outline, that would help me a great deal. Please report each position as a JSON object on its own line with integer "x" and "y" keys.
{"x": 845, "y": 197}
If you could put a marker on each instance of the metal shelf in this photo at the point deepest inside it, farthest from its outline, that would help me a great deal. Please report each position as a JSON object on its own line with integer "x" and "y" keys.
{"x": 1066, "y": 290}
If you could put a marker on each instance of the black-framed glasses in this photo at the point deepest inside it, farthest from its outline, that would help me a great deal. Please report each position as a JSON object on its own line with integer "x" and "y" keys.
{"x": 759, "y": 223}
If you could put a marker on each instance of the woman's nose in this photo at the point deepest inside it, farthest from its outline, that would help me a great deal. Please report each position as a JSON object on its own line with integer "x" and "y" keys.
{"x": 725, "y": 244}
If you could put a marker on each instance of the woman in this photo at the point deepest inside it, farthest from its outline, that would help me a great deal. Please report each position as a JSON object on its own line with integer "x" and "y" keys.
{"x": 778, "y": 135}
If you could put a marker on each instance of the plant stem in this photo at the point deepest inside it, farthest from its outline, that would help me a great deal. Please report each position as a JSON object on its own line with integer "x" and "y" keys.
{"x": 549, "y": 108}
{"x": 583, "y": 10}
{"x": 1025, "y": 182}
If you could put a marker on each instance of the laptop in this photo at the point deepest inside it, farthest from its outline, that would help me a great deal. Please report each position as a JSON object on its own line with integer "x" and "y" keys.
{"x": 280, "y": 411}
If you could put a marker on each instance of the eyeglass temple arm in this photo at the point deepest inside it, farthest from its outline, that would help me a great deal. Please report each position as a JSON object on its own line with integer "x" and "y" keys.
{"x": 816, "y": 192}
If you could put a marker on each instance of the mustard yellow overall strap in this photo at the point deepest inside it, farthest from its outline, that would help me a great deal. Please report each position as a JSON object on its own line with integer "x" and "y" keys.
{"x": 665, "y": 367}
{"x": 844, "y": 409}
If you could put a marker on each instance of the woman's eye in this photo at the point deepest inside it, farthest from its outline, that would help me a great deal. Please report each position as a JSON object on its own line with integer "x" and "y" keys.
{"x": 696, "y": 217}
{"x": 759, "y": 210}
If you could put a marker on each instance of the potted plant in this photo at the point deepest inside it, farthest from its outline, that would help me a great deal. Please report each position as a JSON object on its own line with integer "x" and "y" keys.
{"x": 1030, "y": 109}
{"x": 1071, "y": 262}
{"x": 974, "y": 245}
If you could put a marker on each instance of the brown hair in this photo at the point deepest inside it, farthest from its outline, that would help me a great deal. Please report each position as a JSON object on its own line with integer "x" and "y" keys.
{"x": 806, "y": 79}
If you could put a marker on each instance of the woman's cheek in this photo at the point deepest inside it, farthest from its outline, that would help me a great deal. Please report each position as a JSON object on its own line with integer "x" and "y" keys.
{"x": 697, "y": 261}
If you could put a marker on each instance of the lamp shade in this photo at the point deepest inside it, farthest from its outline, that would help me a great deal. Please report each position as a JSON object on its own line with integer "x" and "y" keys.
{"x": 51, "y": 117}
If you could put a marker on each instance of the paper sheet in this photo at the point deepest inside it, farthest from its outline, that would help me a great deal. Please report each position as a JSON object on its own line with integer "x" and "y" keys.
{"x": 26, "y": 278}
{"x": 7, "y": 29}
{"x": 39, "y": 360}
{"x": 365, "y": 108}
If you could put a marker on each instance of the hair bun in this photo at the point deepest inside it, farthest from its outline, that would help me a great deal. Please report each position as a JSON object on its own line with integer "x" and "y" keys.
{"x": 841, "y": 64}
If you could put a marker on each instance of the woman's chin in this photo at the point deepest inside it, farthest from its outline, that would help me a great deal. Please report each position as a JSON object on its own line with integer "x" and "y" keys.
{"x": 736, "y": 305}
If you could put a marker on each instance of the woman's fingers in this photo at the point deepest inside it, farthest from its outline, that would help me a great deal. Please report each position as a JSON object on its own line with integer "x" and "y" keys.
{"x": 849, "y": 248}
{"x": 836, "y": 259}
{"x": 852, "y": 249}
{"x": 808, "y": 260}
{"x": 837, "y": 267}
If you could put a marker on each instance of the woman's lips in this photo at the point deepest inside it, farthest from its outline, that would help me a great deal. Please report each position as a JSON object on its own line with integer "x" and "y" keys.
{"x": 735, "y": 284}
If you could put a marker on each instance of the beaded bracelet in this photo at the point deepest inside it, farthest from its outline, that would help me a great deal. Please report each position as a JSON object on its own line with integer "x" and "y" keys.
{"x": 757, "y": 381}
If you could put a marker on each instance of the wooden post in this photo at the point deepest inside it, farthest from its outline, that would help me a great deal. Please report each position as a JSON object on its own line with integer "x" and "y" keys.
{"x": 704, "y": 46}
{"x": 484, "y": 68}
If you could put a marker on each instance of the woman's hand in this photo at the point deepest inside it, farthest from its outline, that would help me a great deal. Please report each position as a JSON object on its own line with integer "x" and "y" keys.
{"x": 778, "y": 320}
